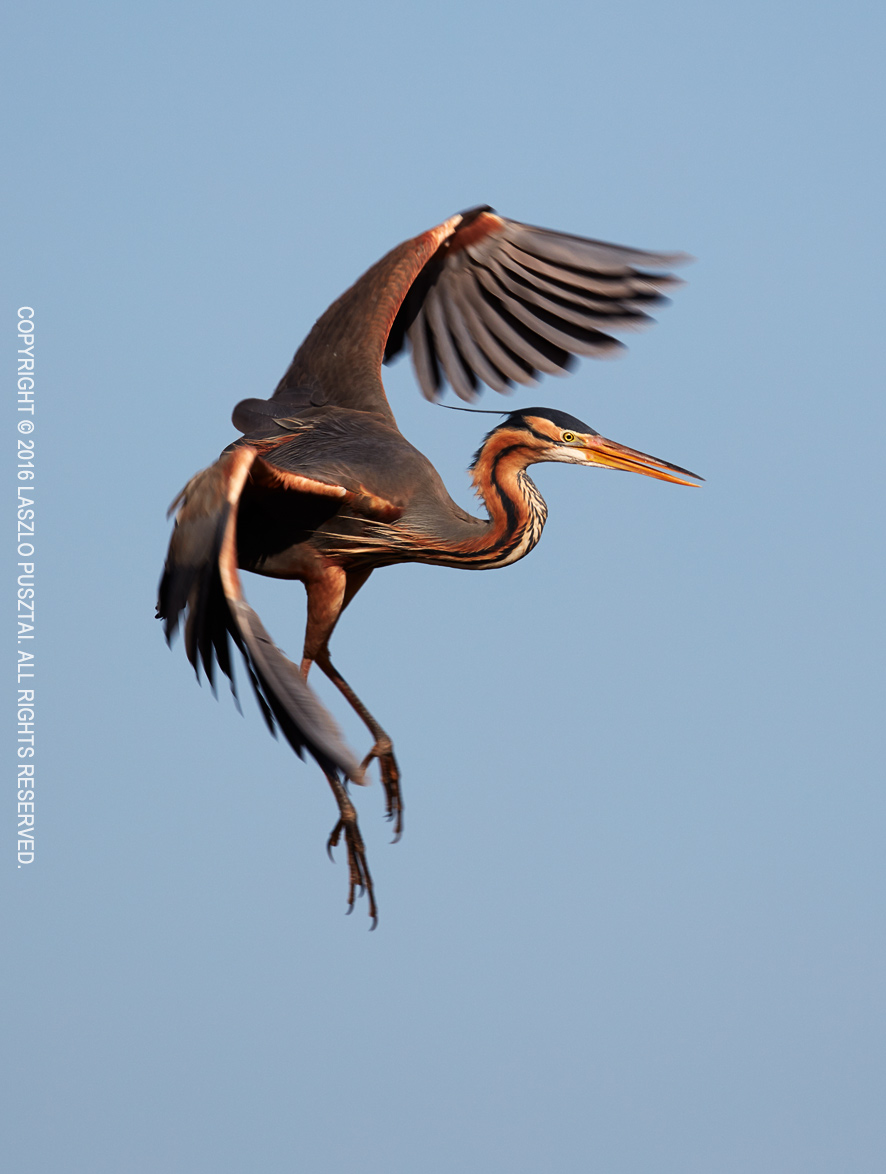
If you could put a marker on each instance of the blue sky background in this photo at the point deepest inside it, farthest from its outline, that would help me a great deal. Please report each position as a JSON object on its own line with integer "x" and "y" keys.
{"x": 636, "y": 921}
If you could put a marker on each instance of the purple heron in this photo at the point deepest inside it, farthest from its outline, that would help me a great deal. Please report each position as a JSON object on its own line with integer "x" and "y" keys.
{"x": 323, "y": 488}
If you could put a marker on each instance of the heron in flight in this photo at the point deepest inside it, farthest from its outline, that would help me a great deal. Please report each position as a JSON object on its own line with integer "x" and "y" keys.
{"x": 323, "y": 488}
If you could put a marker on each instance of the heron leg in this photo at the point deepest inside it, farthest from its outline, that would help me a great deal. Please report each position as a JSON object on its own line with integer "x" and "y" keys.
{"x": 360, "y": 880}
{"x": 383, "y": 749}
{"x": 328, "y": 596}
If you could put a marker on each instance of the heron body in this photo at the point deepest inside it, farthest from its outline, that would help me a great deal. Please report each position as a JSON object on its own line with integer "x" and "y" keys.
{"x": 323, "y": 488}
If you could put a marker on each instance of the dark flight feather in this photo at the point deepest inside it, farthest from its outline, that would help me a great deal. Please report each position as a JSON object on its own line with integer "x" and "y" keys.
{"x": 191, "y": 590}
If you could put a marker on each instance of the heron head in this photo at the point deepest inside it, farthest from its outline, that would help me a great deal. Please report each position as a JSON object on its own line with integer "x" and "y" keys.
{"x": 552, "y": 435}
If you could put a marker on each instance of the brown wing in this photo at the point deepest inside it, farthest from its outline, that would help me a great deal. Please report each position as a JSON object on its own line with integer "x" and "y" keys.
{"x": 359, "y": 461}
{"x": 201, "y": 581}
{"x": 501, "y": 302}
{"x": 478, "y": 299}
{"x": 340, "y": 361}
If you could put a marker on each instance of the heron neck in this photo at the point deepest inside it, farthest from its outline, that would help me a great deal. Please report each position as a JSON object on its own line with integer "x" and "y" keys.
{"x": 517, "y": 511}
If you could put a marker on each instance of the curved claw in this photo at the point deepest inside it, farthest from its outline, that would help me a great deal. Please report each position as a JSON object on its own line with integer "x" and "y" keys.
{"x": 383, "y": 750}
{"x": 359, "y": 878}
{"x": 332, "y": 842}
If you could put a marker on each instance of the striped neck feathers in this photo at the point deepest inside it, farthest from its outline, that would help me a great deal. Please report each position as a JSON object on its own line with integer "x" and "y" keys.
{"x": 517, "y": 511}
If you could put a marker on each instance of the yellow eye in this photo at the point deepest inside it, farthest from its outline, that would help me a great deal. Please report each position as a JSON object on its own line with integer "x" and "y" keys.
{"x": 568, "y": 437}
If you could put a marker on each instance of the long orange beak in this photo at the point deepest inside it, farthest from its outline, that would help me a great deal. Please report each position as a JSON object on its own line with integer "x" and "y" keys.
{"x": 610, "y": 455}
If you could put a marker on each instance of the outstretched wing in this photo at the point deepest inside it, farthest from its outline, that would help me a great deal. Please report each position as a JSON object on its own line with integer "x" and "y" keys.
{"x": 478, "y": 299}
{"x": 501, "y": 302}
{"x": 201, "y": 586}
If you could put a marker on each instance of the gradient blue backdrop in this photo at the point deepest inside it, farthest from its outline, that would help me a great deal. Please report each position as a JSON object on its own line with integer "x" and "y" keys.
{"x": 636, "y": 921}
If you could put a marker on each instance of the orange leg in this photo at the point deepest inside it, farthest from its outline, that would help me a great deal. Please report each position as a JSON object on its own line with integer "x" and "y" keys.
{"x": 328, "y": 596}
{"x": 383, "y": 749}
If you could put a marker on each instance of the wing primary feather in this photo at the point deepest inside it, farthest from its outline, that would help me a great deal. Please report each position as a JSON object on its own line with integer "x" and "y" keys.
{"x": 302, "y": 719}
{"x": 563, "y": 336}
{"x": 617, "y": 315}
{"x": 560, "y": 309}
{"x": 519, "y": 331}
{"x": 480, "y": 363}
{"x": 461, "y": 378}
{"x": 620, "y": 285}
{"x": 483, "y": 320}
{"x": 585, "y": 253}
{"x": 423, "y": 359}
{"x": 558, "y": 287}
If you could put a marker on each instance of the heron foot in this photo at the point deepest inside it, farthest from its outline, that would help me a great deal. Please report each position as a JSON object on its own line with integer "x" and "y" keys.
{"x": 358, "y": 868}
{"x": 383, "y": 750}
